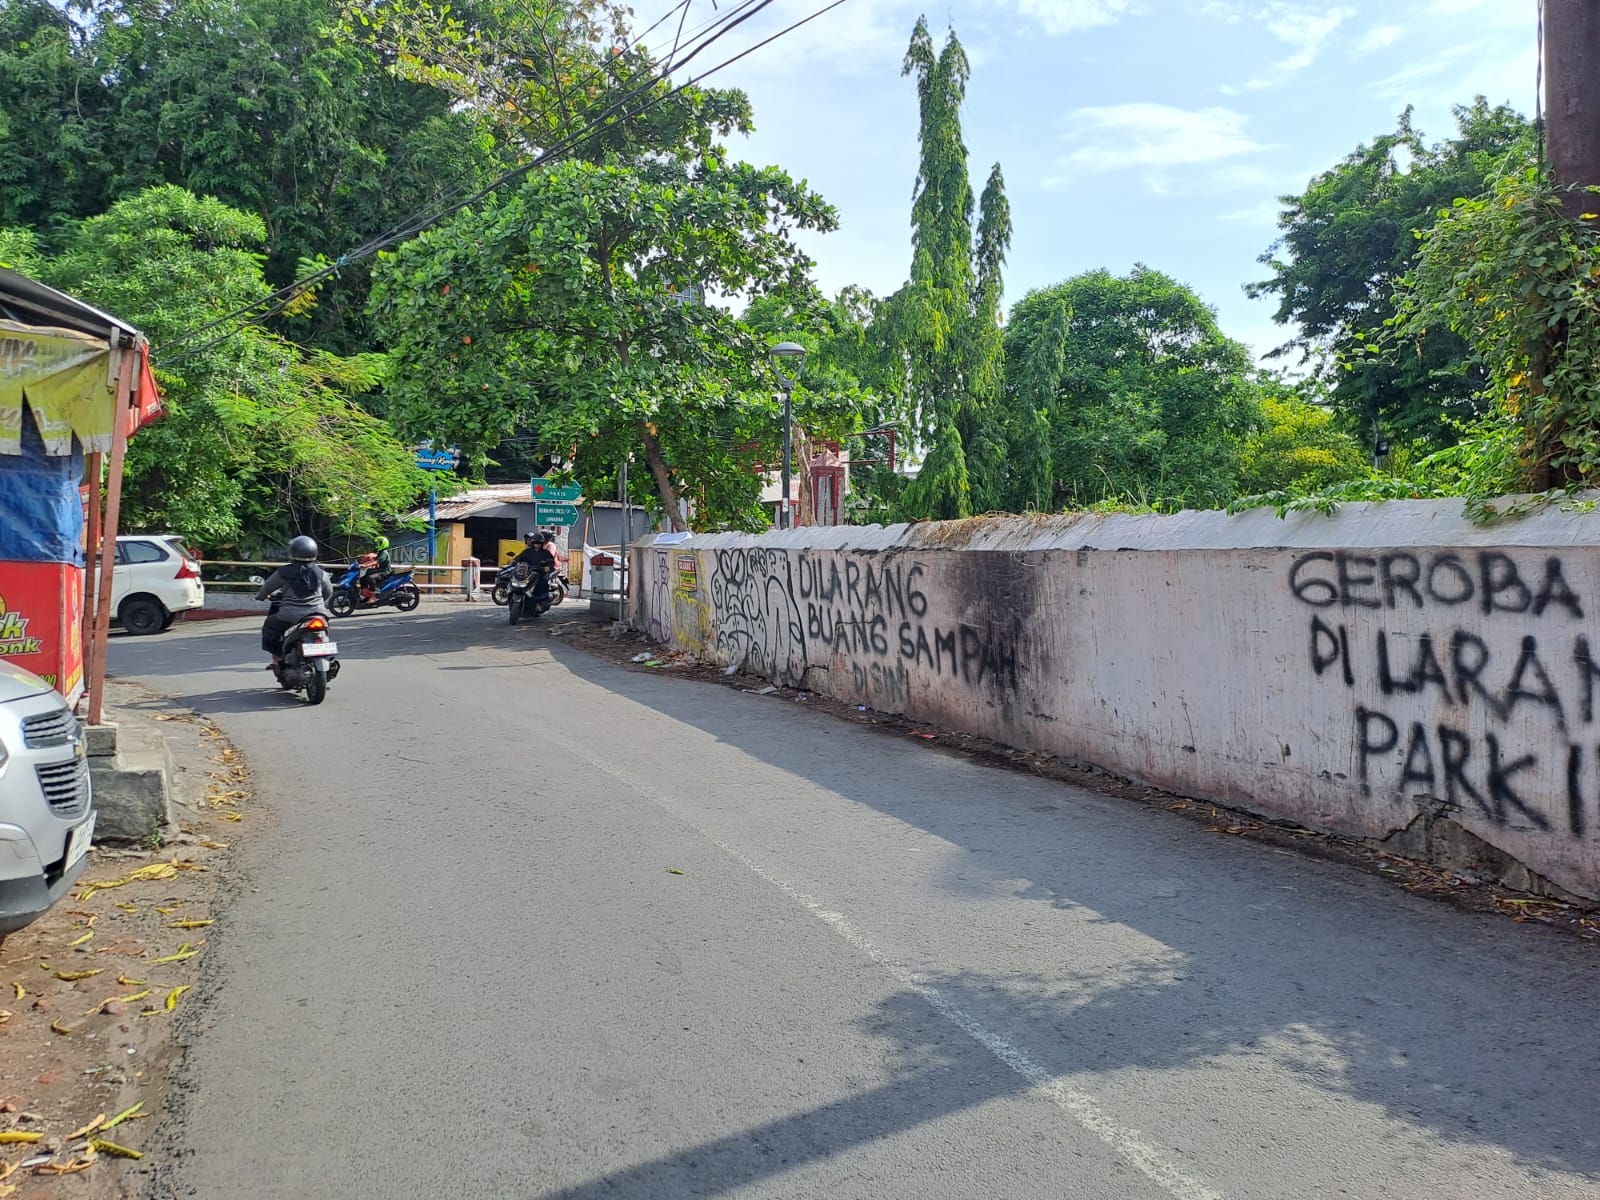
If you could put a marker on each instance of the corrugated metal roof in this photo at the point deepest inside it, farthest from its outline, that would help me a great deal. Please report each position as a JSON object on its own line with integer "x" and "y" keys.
{"x": 463, "y": 504}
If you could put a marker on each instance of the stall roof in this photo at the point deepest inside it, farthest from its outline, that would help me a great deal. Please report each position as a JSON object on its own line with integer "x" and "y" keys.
{"x": 462, "y": 505}
{"x": 29, "y": 302}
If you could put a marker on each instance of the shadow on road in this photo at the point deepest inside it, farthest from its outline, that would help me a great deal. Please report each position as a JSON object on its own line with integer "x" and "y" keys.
{"x": 1461, "y": 1025}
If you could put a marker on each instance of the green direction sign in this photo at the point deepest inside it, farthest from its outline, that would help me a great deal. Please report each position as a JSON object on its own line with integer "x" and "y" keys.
{"x": 543, "y": 489}
{"x": 555, "y": 513}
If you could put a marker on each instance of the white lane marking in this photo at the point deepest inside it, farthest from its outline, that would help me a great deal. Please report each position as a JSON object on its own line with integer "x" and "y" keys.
{"x": 1128, "y": 1144}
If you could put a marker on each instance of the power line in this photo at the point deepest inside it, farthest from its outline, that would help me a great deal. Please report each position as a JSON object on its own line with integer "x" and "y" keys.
{"x": 274, "y": 303}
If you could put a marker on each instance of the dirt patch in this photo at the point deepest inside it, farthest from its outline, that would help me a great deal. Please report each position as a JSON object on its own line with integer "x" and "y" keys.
{"x": 637, "y": 652}
{"x": 89, "y": 994}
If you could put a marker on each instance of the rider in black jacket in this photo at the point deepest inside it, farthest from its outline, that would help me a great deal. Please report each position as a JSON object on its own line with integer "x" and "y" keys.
{"x": 540, "y": 559}
{"x": 302, "y": 588}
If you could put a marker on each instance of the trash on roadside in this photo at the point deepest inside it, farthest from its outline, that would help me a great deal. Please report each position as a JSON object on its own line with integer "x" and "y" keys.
{"x": 640, "y": 658}
{"x": 766, "y": 691}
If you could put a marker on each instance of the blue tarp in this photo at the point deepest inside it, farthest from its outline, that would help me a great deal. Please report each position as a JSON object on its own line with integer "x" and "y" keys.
{"x": 41, "y": 513}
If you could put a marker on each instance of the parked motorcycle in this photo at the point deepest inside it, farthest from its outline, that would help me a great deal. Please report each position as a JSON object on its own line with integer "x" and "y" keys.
{"x": 396, "y": 590}
{"x": 501, "y": 592}
{"x": 309, "y": 660}
{"x": 525, "y": 597}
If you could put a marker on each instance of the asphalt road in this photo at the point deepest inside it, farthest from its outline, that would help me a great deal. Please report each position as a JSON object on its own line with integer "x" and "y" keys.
{"x": 461, "y": 961}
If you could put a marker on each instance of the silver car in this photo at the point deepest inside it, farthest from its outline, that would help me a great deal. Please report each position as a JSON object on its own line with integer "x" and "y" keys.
{"x": 46, "y": 814}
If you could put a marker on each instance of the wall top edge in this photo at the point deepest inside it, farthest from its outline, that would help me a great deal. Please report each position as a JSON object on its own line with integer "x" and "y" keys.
{"x": 1358, "y": 525}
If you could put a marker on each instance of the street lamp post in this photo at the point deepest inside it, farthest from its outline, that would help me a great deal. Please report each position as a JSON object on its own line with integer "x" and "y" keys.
{"x": 788, "y": 357}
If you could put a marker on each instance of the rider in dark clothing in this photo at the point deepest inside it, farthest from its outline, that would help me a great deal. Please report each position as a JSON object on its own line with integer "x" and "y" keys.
{"x": 302, "y": 588}
{"x": 540, "y": 559}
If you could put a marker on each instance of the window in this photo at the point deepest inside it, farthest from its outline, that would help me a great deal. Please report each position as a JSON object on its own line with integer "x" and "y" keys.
{"x": 140, "y": 552}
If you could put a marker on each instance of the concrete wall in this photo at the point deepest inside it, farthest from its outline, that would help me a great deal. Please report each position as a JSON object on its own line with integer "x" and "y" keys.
{"x": 1392, "y": 672}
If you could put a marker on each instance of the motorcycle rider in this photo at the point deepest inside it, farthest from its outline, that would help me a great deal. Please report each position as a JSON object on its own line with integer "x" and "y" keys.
{"x": 538, "y": 556}
{"x": 302, "y": 588}
{"x": 372, "y": 577}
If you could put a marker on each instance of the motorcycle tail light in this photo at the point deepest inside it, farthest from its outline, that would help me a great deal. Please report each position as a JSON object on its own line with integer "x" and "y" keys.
{"x": 316, "y": 623}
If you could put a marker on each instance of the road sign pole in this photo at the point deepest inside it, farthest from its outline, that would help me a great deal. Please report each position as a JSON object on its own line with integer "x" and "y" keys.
{"x": 433, "y": 502}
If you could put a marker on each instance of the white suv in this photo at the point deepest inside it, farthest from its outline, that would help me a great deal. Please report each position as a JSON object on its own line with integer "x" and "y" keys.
{"x": 46, "y": 816}
{"x": 155, "y": 579}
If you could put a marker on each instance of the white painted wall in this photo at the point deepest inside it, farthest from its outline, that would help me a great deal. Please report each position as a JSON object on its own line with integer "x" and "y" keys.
{"x": 1347, "y": 672}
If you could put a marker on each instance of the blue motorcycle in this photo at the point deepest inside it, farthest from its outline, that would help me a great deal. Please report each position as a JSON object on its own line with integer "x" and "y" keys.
{"x": 397, "y": 590}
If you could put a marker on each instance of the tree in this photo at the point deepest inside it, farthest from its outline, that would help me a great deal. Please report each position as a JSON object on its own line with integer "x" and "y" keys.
{"x": 256, "y": 102}
{"x": 1346, "y": 243}
{"x": 1297, "y": 447}
{"x": 561, "y": 306}
{"x": 1144, "y": 398}
{"x": 259, "y": 440}
{"x": 943, "y": 360}
{"x": 558, "y": 76}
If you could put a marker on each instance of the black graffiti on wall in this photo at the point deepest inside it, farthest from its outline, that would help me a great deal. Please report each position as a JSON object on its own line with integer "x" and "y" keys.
{"x": 756, "y": 617}
{"x": 776, "y": 612}
{"x": 1480, "y": 764}
{"x": 879, "y": 610}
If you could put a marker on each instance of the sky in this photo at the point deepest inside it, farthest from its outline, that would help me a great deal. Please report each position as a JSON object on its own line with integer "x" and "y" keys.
{"x": 1129, "y": 131}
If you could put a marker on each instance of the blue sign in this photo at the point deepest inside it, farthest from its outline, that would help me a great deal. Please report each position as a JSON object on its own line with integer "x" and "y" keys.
{"x": 430, "y": 459}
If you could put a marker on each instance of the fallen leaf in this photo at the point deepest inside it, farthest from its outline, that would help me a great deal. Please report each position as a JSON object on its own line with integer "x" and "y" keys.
{"x": 184, "y": 951}
{"x": 210, "y": 845}
{"x": 126, "y": 982}
{"x": 101, "y": 1007}
{"x": 5, "y": 1015}
{"x": 19, "y": 989}
{"x": 111, "y": 1148}
{"x": 71, "y": 1168}
{"x": 18, "y": 1137}
{"x": 674, "y": 871}
{"x": 169, "y": 910}
{"x": 57, "y": 1027}
{"x": 189, "y": 924}
{"x": 172, "y": 996}
{"x": 127, "y": 1114}
{"x": 74, "y": 976}
{"x": 232, "y": 817}
{"x": 126, "y": 907}
{"x": 92, "y": 1127}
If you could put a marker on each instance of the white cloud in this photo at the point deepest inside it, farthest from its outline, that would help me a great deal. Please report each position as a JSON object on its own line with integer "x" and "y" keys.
{"x": 1380, "y": 37}
{"x": 1060, "y": 17}
{"x": 1304, "y": 30}
{"x": 1156, "y": 137}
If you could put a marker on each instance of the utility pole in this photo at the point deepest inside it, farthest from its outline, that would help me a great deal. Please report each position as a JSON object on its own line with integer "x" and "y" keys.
{"x": 1572, "y": 96}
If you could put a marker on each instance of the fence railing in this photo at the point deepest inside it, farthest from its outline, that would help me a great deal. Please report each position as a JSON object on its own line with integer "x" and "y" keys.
{"x": 424, "y": 575}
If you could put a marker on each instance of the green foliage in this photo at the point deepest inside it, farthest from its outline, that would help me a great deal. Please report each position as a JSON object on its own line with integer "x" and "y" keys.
{"x": 259, "y": 441}
{"x": 1346, "y": 243}
{"x": 1519, "y": 282}
{"x": 547, "y": 73}
{"x": 1297, "y": 447}
{"x": 1133, "y": 387}
{"x": 940, "y": 333}
{"x": 259, "y": 103}
{"x": 553, "y": 307}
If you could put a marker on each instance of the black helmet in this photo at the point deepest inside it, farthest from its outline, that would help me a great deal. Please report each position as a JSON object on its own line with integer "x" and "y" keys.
{"x": 303, "y": 549}
{"x": 529, "y": 539}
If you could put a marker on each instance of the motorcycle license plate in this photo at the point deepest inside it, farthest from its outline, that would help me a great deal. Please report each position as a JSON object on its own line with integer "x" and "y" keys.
{"x": 319, "y": 649}
{"x": 78, "y": 842}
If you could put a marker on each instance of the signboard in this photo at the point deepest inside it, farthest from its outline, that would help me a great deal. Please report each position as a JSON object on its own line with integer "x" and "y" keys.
{"x": 543, "y": 489}
{"x": 430, "y": 459}
{"x": 555, "y": 514}
{"x": 41, "y": 612}
{"x": 688, "y": 573}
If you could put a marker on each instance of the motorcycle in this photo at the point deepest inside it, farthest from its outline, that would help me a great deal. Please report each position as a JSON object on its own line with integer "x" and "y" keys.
{"x": 397, "y": 590}
{"x": 501, "y": 592}
{"x": 525, "y": 597}
{"x": 308, "y": 661}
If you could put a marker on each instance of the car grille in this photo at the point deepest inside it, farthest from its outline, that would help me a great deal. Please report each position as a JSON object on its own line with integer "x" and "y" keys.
{"x": 49, "y": 729}
{"x": 66, "y": 788}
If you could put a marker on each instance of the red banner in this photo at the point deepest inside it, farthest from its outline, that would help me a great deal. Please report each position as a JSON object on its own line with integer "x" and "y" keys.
{"x": 145, "y": 405}
{"x": 41, "y": 618}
